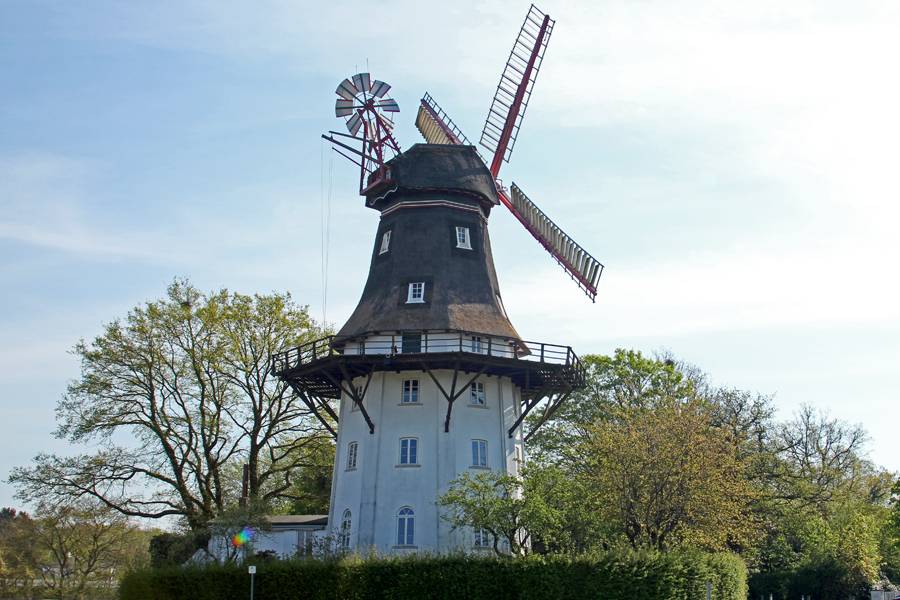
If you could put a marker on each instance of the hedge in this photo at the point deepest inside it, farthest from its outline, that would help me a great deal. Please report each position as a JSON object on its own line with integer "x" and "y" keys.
{"x": 825, "y": 580}
{"x": 610, "y": 575}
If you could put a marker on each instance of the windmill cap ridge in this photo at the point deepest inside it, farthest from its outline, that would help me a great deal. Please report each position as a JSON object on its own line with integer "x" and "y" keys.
{"x": 433, "y": 167}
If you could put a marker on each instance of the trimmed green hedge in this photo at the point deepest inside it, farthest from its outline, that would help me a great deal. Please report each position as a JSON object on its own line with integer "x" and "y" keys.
{"x": 608, "y": 575}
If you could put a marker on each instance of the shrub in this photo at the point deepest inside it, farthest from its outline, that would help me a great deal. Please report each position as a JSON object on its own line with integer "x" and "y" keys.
{"x": 609, "y": 575}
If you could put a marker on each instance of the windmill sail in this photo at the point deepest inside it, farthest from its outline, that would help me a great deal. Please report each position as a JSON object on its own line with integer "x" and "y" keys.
{"x": 582, "y": 267}
{"x": 514, "y": 89}
{"x": 437, "y": 127}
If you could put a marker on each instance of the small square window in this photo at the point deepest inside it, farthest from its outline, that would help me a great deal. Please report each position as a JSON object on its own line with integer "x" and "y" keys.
{"x": 409, "y": 448}
{"x": 385, "y": 242}
{"x": 479, "y": 453}
{"x": 478, "y": 394}
{"x": 351, "y": 455}
{"x": 416, "y": 293}
{"x": 462, "y": 238}
{"x": 410, "y": 391}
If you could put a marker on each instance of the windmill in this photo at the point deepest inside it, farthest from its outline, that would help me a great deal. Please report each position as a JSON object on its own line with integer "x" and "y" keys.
{"x": 499, "y": 137}
{"x": 428, "y": 377}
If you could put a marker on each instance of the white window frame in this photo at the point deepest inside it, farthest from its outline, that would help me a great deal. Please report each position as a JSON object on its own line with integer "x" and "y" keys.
{"x": 479, "y": 454}
{"x": 352, "y": 453}
{"x": 344, "y": 534}
{"x": 304, "y": 541}
{"x": 385, "y": 242}
{"x": 482, "y": 539}
{"x": 406, "y": 527}
{"x": 463, "y": 240}
{"x": 477, "y": 394}
{"x": 411, "y": 452}
{"x": 477, "y": 344}
{"x": 416, "y": 293}
{"x": 410, "y": 392}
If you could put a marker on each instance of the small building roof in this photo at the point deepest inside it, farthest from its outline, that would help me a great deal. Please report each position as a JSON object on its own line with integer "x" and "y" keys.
{"x": 292, "y": 521}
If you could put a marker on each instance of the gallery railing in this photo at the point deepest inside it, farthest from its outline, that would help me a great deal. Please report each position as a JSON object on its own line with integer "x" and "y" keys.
{"x": 422, "y": 342}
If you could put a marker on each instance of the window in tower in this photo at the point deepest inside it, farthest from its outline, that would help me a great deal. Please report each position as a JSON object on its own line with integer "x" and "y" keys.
{"x": 479, "y": 453}
{"x": 409, "y": 451}
{"x": 477, "y": 344}
{"x": 410, "y": 391}
{"x": 351, "y": 455}
{"x": 344, "y": 536}
{"x": 406, "y": 527}
{"x": 477, "y": 394}
{"x": 416, "y": 292}
{"x": 385, "y": 242}
{"x": 462, "y": 238}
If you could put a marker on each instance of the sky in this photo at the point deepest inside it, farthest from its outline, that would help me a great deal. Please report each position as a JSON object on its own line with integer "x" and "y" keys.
{"x": 732, "y": 164}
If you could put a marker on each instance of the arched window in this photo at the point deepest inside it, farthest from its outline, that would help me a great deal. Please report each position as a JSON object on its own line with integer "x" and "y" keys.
{"x": 344, "y": 536}
{"x": 406, "y": 527}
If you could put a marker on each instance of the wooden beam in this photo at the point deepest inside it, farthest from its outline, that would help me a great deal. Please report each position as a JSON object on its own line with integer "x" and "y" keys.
{"x": 314, "y": 407}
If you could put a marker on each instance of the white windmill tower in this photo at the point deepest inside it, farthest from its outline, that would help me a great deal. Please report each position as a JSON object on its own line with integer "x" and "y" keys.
{"x": 430, "y": 377}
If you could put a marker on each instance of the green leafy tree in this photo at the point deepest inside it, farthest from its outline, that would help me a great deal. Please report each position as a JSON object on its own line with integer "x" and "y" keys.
{"x": 491, "y": 501}
{"x": 626, "y": 380}
{"x": 541, "y": 510}
{"x": 668, "y": 478}
{"x": 189, "y": 378}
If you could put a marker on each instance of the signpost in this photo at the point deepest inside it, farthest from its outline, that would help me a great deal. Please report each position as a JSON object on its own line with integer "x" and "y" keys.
{"x": 252, "y": 575}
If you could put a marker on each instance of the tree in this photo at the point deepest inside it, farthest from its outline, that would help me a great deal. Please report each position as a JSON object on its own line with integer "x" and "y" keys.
{"x": 225, "y": 530}
{"x": 82, "y": 548}
{"x": 816, "y": 459}
{"x": 668, "y": 477}
{"x": 543, "y": 509}
{"x": 626, "y": 380}
{"x": 610, "y": 436}
{"x": 17, "y": 554}
{"x": 490, "y": 501}
{"x": 189, "y": 378}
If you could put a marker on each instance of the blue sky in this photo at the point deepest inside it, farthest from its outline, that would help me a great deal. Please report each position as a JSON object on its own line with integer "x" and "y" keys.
{"x": 732, "y": 164}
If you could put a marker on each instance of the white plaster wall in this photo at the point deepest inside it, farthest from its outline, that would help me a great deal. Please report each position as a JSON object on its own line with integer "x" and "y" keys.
{"x": 378, "y": 488}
